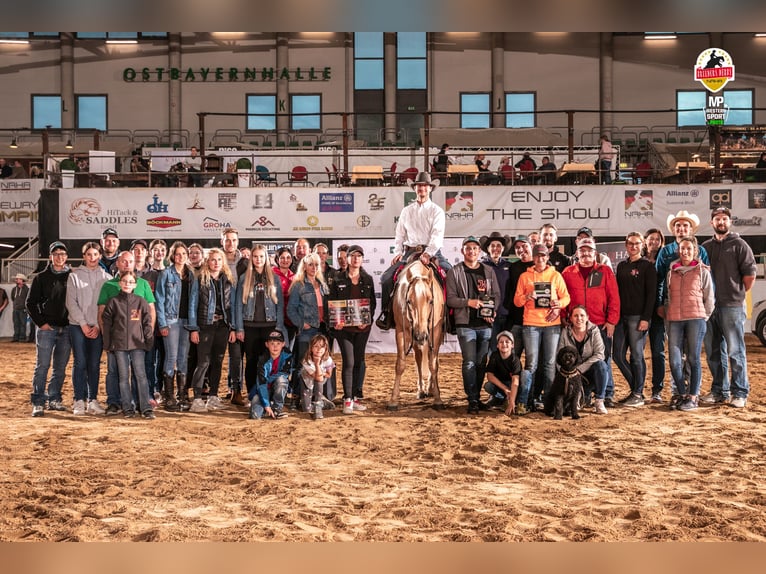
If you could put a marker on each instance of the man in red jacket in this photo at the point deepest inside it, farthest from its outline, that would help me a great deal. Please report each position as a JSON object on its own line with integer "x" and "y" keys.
{"x": 594, "y": 285}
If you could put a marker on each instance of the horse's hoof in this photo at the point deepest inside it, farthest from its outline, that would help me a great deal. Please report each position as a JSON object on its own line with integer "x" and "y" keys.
{"x": 393, "y": 407}
{"x": 422, "y": 395}
{"x": 439, "y": 406}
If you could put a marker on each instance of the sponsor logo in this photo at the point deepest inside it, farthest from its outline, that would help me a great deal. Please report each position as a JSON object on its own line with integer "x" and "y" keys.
{"x": 214, "y": 225}
{"x": 82, "y": 208}
{"x": 720, "y": 198}
{"x": 197, "y": 203}
{"x": 157, "y": 206}
{"x": 263, "y": 201}
{"x": 163, "y": 221}
{"x": 336, "y": 202}
{"x": 87, "y": 211}
{"x": 312, "y": 220}
{"x": 376, "y": 202}
{"x": 15, "y": 185}
{"x": 754, "y": 221}
{"x": 458, "y": 205}
{"x": 263, "y": 223}
{"x": 227, "y": 201}
{"x": 756, "y": 198}
{"x": 639, "y": 203}
{"x": 363, "y": 221}
{"x": 714, "y": 69}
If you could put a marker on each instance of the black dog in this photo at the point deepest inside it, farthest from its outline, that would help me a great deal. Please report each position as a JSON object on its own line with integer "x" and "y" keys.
{"x": 567, "y": 387}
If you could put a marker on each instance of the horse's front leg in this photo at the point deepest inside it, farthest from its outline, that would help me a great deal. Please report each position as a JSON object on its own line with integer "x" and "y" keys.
{"x": 393, "y": 403}
{"x": 434, "y": 368}
{"x": 420, "y": 359}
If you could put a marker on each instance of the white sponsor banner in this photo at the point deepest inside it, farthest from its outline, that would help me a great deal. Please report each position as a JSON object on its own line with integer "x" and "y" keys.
{"x": 19, "y": 199}
{"x": 371, "y": 212}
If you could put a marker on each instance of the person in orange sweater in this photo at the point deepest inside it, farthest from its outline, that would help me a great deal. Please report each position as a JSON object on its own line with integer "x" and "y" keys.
{"x": 543, "y": 294}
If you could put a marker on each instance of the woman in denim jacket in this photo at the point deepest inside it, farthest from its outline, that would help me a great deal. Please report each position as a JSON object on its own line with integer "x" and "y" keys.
{"x": 172, "y": 294}
{"x": 211, "y": 322}
{"x": 307, "y": 305}
{"x": 258, "y": 310}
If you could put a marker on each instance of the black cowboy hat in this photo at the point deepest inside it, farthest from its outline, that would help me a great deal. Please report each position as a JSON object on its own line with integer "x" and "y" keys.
{"x": 485, "y": 240}
{"x": 425, "y": 177}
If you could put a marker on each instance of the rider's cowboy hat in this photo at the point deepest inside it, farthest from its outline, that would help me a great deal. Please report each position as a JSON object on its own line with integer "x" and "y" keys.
{"x": 425, "y": 177}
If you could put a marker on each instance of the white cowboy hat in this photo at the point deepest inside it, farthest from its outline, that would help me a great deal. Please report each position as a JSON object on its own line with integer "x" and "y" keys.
{"x": 20, "y": 276}
{"x": 683, "y": 215}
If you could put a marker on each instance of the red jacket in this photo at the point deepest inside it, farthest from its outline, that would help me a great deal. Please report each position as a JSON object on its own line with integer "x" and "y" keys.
{"x": 600, "y": 295}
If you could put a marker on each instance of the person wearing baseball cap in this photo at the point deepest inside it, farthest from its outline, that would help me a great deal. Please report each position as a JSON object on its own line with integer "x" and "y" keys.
{"x": 420, "y": 229}
{"x": 594, "y": 286}
{"x": 267, "y": 396}
{"x": 494, "y": 245}
{"x": 587, "y": 233}
{"x": 46, "y": 305}
{"x": 503, "y": 374}
{"x": 542, "y": 293}
{"x": 110, "y": 249}
{"x": 733, "y": 270}
{"x": 473, "y": 293}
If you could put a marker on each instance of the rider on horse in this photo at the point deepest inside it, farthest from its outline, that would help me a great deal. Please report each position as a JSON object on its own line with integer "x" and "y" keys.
{"x": 420, "y": 229}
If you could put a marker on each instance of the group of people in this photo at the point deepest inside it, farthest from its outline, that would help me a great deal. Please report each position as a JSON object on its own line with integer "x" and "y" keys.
{"x": 168, "y": 316}
{"x": 545, "y": 300}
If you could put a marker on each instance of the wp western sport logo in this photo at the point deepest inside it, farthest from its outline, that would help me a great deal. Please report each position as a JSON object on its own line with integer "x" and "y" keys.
{"x": 714, "y": 69}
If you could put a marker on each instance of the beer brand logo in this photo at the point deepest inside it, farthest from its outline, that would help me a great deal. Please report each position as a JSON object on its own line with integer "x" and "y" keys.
{"x": 714, "y": 69}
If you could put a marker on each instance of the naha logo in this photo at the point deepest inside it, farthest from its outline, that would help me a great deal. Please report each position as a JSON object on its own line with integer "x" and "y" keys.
{"x": 714, "y": 69}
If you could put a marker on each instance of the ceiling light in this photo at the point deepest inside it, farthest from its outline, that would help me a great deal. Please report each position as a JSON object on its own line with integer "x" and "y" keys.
{"x": 14, "y": 145}
{"x": 8, "y": 41}
{"x": 68, "y": 144}
{"x": 663, "y": 36}
{"x": 122, "y": 41}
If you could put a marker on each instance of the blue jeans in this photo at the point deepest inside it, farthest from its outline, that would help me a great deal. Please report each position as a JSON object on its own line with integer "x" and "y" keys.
{"x": 540, "y": 345}
{"x": 628, "y": 337}
{"x": 605, "y": 165}
{"x": 53, "y": 347}
{"x": 87, "y": 364}
{"x": 686, "y": 336}
{"x": 277, "y": 393}
{"x": 657, "y": 345}
{"x": 608, "y": 360}
{"x": 724, "y": 344}
{"x": 597, "y": 376}
{"x": 474, "y": 346}
{"x": 176, "y": 348}
{"x": 20, "y": 325}
{"x": 124, "y": 360}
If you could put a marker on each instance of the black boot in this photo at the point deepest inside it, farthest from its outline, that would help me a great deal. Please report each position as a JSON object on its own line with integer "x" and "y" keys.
{"x": 183, "y": 392}
{"x": 170, "y": 402}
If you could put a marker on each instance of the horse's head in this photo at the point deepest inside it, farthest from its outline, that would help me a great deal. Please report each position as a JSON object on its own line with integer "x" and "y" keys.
{"x": 419, "y": 312}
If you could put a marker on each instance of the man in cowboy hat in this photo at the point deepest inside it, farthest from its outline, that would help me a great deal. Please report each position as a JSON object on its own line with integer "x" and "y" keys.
{"x": 494, "y": 245}
{"x": 420, "y": 227}
{"x": 19, "y": 299}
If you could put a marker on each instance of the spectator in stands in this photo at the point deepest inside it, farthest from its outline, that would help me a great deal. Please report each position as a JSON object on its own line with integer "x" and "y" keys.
{"x": 605, "y": 158}
{"x": 549, "y": 171}
{"x": 442, "y": 161}
{"x": 5, "y": 172}
{"x": 18, "y": 171}
{"x": 486, "y": 177}
{"x": 760, "y": 168}
{"x": 138, "y": 164}
{"x": 193, "y": 164}
{"x": 526, "y": 166}
{"x": 643, "y": 171}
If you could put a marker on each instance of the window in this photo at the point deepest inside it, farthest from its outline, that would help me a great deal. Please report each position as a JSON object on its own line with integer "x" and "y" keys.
{"x": 265, "y": 108}
{"x": 520, "y": 102}
{"x": 305, "y": 104}
{"x": 119, "y": 35}
{"x": 474, "y": 110}
{"x": 368, "y": 61}
{"x": 91, "y": 113}
{"x": 46, "y": 111}
{"x": 691, "y": 104}
{"x": 411, "y": 61}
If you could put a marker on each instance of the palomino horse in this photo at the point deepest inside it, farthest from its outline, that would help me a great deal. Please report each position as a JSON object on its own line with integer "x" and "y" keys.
{"x": 418, "y": 309}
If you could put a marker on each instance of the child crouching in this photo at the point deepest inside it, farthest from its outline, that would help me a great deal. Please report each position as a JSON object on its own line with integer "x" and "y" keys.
{"x": 316, "y": 368}
{"x": 274, "y": 366}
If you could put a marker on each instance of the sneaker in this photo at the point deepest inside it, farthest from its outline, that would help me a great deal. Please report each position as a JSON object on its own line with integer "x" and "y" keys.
{"x": 38, "y": 411}
{"x": 280, "y": 414}
{"x": 129, "y": 414}
{"x": 148, "y": 414}
{"x": 153, "y": 403}
{"x": 213, "y": 403}
{"x": 56, "y": 406}
{"x": 95, "y": 408}
{"x": 348, "y": 407}
{"x": 158, "y": 397}
{"x": 318, "y": 414}
{"x": 609, "y": 402}
{"x": 539, "y": 406}
{"x": 599, "y": 407}
{"x": 78, "y": 409}
{"x": 712, "y": 399}
{"x": 675, "y": 401}
{"x": 634, "y": 401}
{"x": 358, "y": 406}
{"x": 738, "y": 402}
{"x": 688, "y": 404}
{"x": 657, "y": 399}
{"x": 327, "y": 404}
{"x": 521, "y": 410}
{"x": 198, "y": 406}
{"x": 624, "y": 400}
{"x": 112, "y": 410}
{"x": 473, "y": 408}
{"x": 495, "y": 403}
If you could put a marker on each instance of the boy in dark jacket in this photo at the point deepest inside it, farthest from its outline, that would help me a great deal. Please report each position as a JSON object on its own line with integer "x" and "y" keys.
{"x": 128, "y": 333}
{"x": 274, "y": 367}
